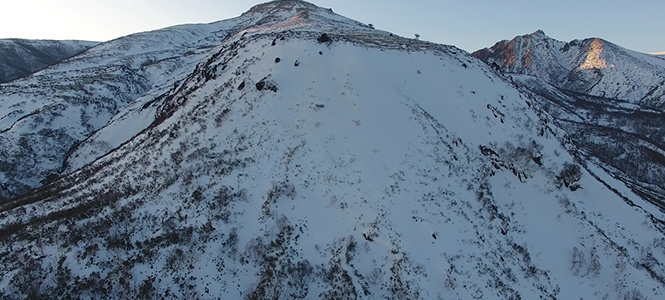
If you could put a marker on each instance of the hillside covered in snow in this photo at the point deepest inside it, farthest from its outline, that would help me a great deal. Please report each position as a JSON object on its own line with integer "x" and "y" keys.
{"x": 293, "y": 153}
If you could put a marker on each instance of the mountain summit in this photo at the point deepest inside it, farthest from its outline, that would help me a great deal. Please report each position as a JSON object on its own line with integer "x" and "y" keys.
{"x": 288, "y": 7}
{"x": 292, "y": 153}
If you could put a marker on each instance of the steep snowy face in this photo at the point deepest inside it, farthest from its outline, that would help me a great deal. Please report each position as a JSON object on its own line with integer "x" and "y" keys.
{"x": 591, "y": 66}
{"x": 19, "y": 58}
{"x": 294, "y": 162}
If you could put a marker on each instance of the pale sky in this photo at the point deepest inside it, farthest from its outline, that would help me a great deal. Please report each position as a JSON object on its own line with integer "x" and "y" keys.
{"x": 472, "y": 24}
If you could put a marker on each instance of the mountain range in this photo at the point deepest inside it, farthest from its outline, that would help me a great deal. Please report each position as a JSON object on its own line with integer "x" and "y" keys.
{"x": 293, "y": 153}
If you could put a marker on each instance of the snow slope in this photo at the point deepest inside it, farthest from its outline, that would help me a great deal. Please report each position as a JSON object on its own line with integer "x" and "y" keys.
{"x": 355, "y": 164}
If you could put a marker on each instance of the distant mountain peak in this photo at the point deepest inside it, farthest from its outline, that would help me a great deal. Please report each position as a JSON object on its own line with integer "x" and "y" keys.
{"x": 547, "y": 58}
{"x": 576, "y": 65}
{"x": 539, "y": 33}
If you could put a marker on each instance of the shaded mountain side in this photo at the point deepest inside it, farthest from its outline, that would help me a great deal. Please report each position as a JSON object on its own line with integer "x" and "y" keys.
{"x": 306, "y": 155}
{"x": 19, "y": 58}
{"x": 612, "y": 114}
{"x": 628, "y": 142}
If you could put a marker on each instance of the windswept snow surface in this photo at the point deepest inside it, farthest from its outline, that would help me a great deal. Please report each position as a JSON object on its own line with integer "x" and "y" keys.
{"x": 368, "y": 166}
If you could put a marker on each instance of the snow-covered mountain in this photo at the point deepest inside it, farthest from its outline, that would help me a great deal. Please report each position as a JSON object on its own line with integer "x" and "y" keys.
{"x": 19, "y": 58}
{"x": 591, "y": 66}
{"x": 298, "y": 154}
{"x": 610, "y": 101}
